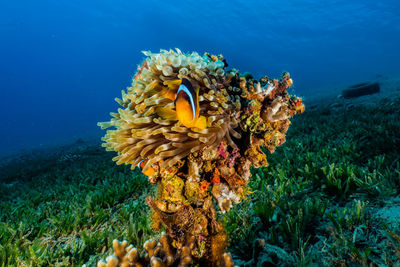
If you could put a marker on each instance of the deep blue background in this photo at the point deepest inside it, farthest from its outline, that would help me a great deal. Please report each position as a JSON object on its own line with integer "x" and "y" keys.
{"x": 63, "y": 62}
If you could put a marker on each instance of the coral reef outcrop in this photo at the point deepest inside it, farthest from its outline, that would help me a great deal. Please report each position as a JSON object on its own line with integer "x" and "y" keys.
{"x": 158, "y": 254}
{"x": 195, "y": 128}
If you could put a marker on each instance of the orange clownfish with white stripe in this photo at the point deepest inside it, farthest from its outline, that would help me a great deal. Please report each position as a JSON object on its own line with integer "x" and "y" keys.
{"x": 187, "y": 106}
{"x": 150, "y": 171}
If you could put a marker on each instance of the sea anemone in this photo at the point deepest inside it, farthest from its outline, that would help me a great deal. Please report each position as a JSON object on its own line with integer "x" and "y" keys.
{"x": 203, "y": 150}
{"x": 147, "y": 128}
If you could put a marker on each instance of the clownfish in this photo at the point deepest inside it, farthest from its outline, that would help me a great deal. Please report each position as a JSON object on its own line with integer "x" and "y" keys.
{"x": 150, "y": 171}
{"x": 187, "y": 106}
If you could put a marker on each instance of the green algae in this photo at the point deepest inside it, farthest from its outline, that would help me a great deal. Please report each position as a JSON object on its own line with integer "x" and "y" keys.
{"x": 328, "y": 198}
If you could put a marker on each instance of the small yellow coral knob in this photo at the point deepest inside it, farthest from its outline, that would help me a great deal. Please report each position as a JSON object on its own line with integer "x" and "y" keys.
{"x": 290, "y": 82}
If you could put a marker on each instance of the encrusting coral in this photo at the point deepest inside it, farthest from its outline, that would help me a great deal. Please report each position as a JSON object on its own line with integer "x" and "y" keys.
{"x": 195, "y": 129}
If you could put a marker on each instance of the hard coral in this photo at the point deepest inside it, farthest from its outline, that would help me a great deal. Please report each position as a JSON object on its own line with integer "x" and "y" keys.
{"x": 193, "y": 162}
{"x": 160, "y": 253}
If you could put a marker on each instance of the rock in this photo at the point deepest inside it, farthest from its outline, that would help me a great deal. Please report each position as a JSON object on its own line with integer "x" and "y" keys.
{"x": 360, "y": 90}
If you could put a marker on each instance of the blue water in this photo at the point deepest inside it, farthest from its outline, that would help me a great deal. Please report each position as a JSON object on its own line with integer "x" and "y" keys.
{"x": 63, "y": 62}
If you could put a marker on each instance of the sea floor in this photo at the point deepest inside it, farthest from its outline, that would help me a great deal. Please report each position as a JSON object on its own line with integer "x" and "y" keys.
{"x": 329, "y": 197}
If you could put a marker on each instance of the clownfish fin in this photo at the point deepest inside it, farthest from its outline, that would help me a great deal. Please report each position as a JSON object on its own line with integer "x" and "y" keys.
{"x": 166, "y": 113}
{"x": 167, "y": 93}
{"x": 197, "y": 104}
{"x": 201, "y": 123}
{"x": 149, "y": 172}
{"x": 173, "y": 84}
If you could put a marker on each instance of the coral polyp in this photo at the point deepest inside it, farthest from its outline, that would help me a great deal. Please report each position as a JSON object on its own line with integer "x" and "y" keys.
{"x": 195, "y": 129}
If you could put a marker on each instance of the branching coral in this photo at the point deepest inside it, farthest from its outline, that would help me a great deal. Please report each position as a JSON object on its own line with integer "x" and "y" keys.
{"x": 200, "y": 151}
{"x": 158, "y": 254}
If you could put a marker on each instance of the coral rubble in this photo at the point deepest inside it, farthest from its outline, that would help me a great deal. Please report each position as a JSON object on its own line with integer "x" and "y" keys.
{"x": 195, "y": 129}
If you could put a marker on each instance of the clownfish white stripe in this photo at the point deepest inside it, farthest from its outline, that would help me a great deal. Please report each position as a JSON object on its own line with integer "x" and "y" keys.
{"x": 183, "y": 88}
{"x": 139, "y": 164}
